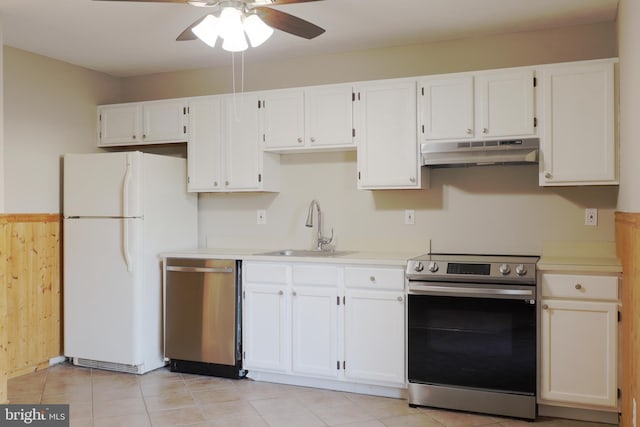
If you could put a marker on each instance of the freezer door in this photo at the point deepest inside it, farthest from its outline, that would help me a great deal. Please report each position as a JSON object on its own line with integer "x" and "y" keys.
{"x": 103, "y": 185}
{"x": 103, "y": 293}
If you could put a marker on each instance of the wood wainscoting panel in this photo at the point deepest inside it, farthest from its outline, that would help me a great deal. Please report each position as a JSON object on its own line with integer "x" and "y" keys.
{"x": 628, "y": 249}
{"x": 31, "y": 260}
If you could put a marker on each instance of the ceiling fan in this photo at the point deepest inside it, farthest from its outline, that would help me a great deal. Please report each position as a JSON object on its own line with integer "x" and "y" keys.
{"x": 232, "y": 19}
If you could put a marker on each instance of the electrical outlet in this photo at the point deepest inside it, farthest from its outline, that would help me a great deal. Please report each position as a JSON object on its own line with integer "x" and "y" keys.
{"x": 591, "y": 216}
{"x": 410, "y": 216}
{"x": 262, "y": 216}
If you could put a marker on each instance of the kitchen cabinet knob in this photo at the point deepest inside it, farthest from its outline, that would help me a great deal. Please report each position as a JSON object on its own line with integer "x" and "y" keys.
{"x": 215, "y": 183}
{"x": 469, "y": 131}
{"x": 578, "y": 286}
{"x": 144, "y": 136}
{"x": 226, "y": 183}
{"x": 313, "y": 139}
{"x": 485, "y": 130}
{"x": 280, "y": 292}
{"x": 547, "y": 175}
{"x": 400, "y": 299}
{"x": 412, "y": 179}
{"x": 545, "y": 307}
{"x": 372, "y": 278}
{"x": 294, "y": 293}
{"x": 300, "y": 140}
{"x": 133, "y": 137}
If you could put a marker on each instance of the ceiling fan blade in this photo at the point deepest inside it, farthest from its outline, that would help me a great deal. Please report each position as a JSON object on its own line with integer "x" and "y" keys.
{"x": 289, "y": 23}
{"x": 187, "y": 34}
{"x": 151, "y": 1}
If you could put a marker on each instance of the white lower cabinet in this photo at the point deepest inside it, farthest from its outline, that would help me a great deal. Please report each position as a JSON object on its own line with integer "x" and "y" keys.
{"x": 579, "y": 340}
{"x": 374, "y": 336}
{"x": 337, "y": 327}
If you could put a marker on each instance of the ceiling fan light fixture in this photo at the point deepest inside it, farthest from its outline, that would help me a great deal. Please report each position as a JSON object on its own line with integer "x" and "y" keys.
{"x": 207, "y": 30}
{"x": 257, "y": 31}
{"x": 231, "y": 30}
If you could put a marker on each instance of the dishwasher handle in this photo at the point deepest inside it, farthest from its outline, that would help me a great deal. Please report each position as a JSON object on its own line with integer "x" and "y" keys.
{"x": 200, "y": 269}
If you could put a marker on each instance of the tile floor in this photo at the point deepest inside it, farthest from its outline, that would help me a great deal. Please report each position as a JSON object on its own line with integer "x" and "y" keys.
{"x": 163, "y": 398}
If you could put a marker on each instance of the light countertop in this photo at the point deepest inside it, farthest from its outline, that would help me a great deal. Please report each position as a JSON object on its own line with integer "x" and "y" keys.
{"x": 255, "y": 254}
{"x": 594, "y": 257}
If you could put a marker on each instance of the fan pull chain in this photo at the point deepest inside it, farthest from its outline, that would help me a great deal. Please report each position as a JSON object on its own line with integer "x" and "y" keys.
{"x": 233, "y": 81}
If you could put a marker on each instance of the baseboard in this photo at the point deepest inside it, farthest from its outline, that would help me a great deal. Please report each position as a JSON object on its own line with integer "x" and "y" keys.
{"x": 608, "y": 417}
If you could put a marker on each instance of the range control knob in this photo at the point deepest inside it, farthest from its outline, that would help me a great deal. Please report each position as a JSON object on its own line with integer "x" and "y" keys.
{"x": 504, "y": 269}
{"x": 521, "y": 270}
{"x": 433, "y": 266}
{"x": 419, "y": 266}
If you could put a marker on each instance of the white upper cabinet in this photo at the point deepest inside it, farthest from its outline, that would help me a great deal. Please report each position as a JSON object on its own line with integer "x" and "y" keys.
{"x": 478, "y": 106}
{"x": 307, "y": 119}
{"x": 329, "y": 117}
{"x": 578, "y": 142}
{"x": 282, "y": 118}
{"x": 153, "y": 122}
{"x": 224, "y": 152}
{"x": 385, "y": 131}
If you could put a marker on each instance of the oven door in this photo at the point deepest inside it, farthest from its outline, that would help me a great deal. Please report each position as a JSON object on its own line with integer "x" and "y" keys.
{"x": 476, "y": 336}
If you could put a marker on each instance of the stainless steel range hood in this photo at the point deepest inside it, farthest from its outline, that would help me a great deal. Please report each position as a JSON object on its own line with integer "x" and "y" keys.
{"x": 477, "y": 153}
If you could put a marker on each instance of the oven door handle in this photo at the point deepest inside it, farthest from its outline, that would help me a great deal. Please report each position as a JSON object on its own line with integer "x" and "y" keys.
{"x": 472, "y": 292}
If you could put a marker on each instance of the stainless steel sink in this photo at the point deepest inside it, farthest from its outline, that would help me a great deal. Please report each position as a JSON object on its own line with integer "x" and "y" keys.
{"x": 304, "y": 253}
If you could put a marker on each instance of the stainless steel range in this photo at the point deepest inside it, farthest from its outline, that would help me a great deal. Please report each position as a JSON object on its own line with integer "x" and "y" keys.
{"x": 472, "y": 333}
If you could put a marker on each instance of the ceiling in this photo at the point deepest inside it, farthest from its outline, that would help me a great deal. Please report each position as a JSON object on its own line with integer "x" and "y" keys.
{"x": 127, "y": 39}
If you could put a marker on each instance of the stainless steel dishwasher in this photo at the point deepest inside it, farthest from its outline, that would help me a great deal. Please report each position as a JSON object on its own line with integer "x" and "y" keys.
{"x": 202, "y": 314}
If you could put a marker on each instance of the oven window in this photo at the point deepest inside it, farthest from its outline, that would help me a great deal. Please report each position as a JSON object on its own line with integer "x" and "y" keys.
{"x": 476, "y": 343}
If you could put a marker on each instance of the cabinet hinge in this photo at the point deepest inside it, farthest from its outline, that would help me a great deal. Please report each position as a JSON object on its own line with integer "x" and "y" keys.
{"x": 535, "y": 82}
{"x": 258, "y": 104}
{"x": 337, "y": 300}
{"x": 358, "y": 174}
{"x": 259, "y": 177}
{"x": 353, "y": 132}
{"x": 353, "y": 99}
{"x": 244, "y": 355}
{"x": 243, "y": 294}
{"x": 344, "y": 365}
{"x": 338, "y": 365}
{"x": 422, "y": 128}
{"x": 184, "y": 129}
{"x": 100, "y": 117}
{"x": 184, "y": 111}
{"x": 619, "y": 393}
{"x": 619, "y": 316}
{"x": 535, "y": 122}
{"x": 422, "y": 91}
{"x": 264, "y": 137}
{"x": 344, "y": 301}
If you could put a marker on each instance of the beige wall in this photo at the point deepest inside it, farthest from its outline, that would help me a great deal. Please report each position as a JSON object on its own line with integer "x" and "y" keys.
{"x": 490, "y": 209}
{"x": 50, "y": 109}
{"x": 566, "y": 44}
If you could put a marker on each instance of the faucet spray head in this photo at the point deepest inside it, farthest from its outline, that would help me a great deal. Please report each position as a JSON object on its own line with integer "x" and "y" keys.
{"x": 309, "y": 221}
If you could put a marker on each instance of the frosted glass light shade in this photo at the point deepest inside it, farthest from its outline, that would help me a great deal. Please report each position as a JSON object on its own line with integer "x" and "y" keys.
{"x": 257, "y": 31}
{"x": 207, "y": 30}
{"x": 232, "y": 30}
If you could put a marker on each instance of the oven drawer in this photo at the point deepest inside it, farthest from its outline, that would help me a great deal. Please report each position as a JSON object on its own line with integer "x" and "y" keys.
{"x": 374, "y": 278}
{"x": 588, "y": 287}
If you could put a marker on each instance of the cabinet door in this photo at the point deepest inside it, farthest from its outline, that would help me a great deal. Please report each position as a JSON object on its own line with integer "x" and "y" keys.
{"x": 375, "y": 336}
{"x": 266, "y": 328}
{"x": 446, "y": 105}
{"x": 164, "y": 121}
{"x": 314, "y": 339}
{"x": 282, "y": 117}
{"x": 505, "y": 104}
{"x": 579, "y": 352}
{"x": 120, "y": 124}
{"x": 578, "y": 140}
{"x": 386, "y": 135}
{"x": 241, "y": 150}
{"x": 329, "y": 116}
{"x": 204, "y": 147}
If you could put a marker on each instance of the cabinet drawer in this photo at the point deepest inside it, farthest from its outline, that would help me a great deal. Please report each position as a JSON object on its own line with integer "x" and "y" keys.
{"x": 316, "y": 275}
{"x": 580, "y": 286}
{"x": 265, "y": 273}
{"x": 374, "y": 277}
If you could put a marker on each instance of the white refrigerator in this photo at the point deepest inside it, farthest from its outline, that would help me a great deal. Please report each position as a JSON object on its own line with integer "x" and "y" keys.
{"x": 121, "y": 210}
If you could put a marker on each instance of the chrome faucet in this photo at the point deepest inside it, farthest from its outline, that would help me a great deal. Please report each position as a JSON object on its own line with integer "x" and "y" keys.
{"x": 321, "y": 240}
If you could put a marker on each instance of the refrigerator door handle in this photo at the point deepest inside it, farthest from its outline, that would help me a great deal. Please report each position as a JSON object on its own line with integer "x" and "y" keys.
{"x": 125, "y": 244}
{"x": 125, "y": 187}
